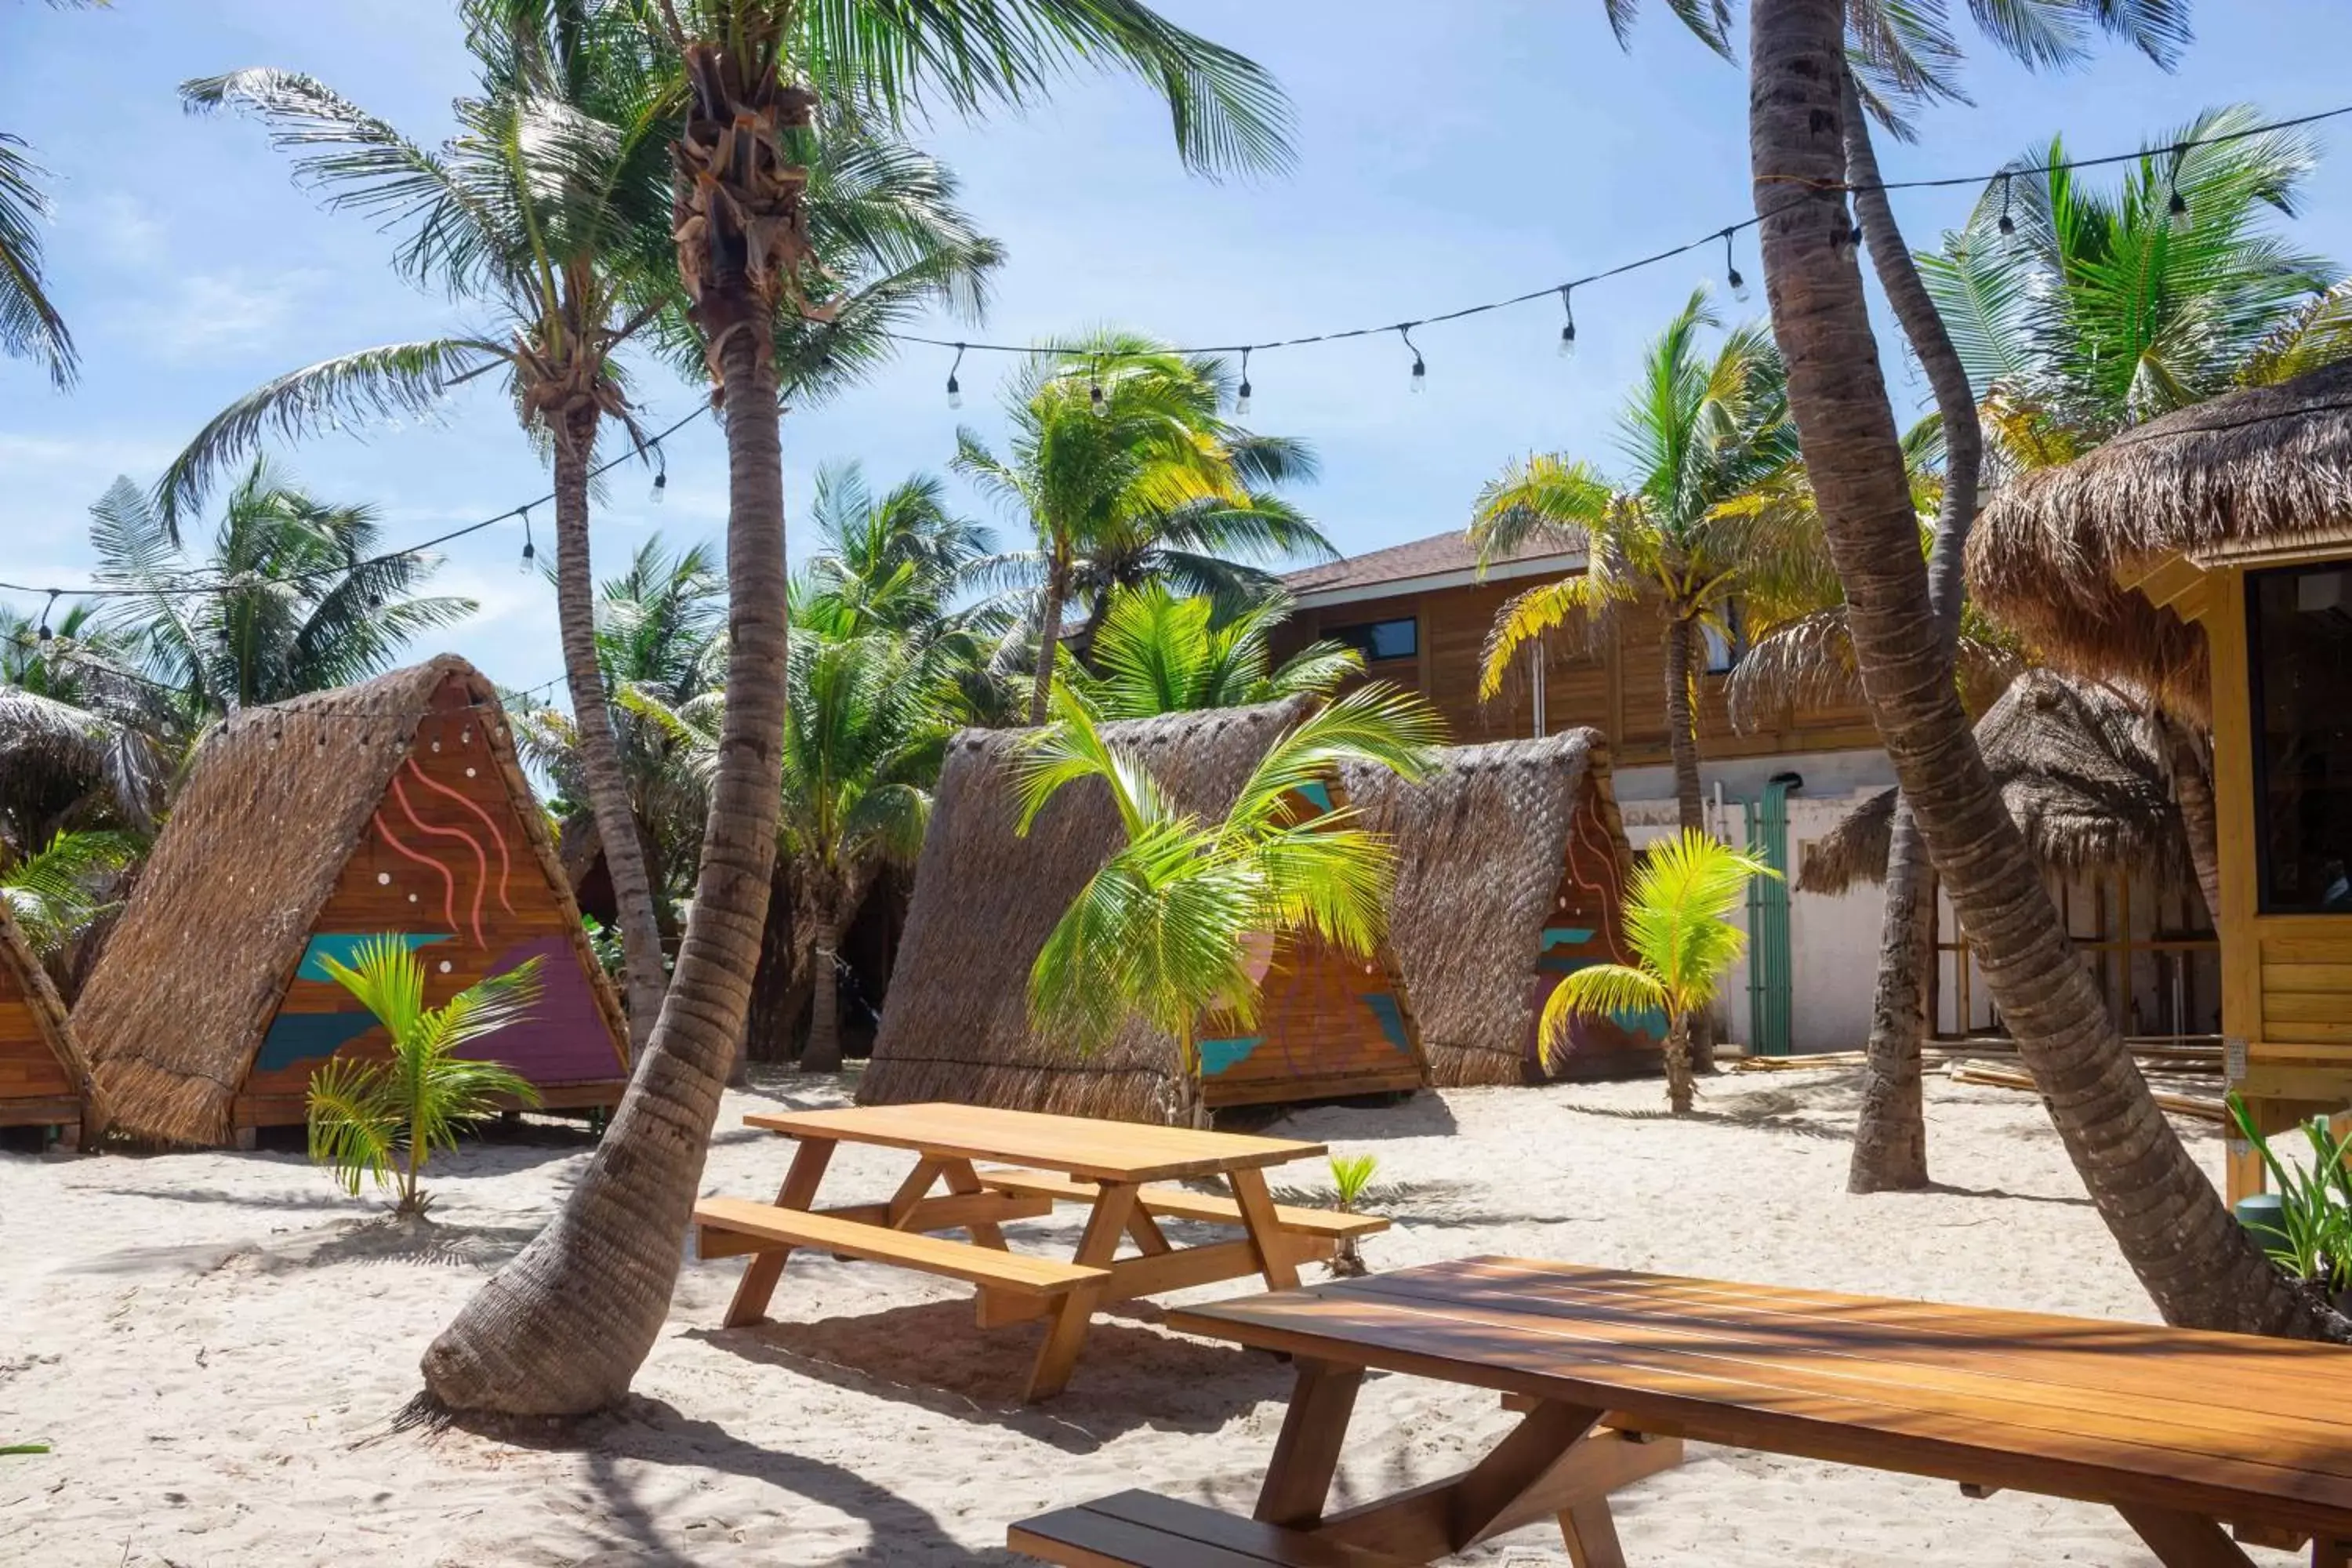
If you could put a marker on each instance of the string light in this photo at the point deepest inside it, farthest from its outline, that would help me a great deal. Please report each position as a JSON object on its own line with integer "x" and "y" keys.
{"x": 661, "y": 475}
{"x": 2007, "y": 225}
{"x": 1567, "y": 328}
{"x": 1242, "y": 399}
{"x": 1101, "y": 405}
{"x": 528, "y": 549}
{"x": 1731, "y": 270}
{"x": 955, "y": 388}
{"x": 47, "y": 635}
{"x": 2178, "y": 205}
{"x": 1420, "y": 369}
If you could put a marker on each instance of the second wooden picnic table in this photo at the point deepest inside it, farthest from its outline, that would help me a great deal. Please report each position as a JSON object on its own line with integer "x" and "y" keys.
{"x": 1120, "y": 1172}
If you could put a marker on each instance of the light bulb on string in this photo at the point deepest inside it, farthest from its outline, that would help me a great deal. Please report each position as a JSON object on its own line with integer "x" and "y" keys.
{"x": 661, "y": 476}
{"x": 47, "y": 635}
{"x": 529, "y": 550}
{"x": 1567, "y": 328}
{"x": 955, "y": 387}
{"x": 1420, "y": 368}
{"x": 1242, "y": 399}
{"x": 2176, "y": 204}
{"x": 1731, "y": 272}
{"x": 2007, "y": 225}
{"x": 1095, "y": 397}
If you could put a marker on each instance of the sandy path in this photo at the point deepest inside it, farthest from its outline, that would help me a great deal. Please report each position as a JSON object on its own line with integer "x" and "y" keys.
{"x": 216, "y": 1349}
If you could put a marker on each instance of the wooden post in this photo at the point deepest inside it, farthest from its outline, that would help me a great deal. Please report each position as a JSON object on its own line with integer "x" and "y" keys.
{"x": 1065, "y": 1331}
{"x": 760, "y": 1276}
{"x": 1306, "y": 1455}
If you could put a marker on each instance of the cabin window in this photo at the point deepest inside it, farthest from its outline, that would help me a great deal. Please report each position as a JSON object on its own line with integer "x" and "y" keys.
{"x": 1724, "y": 649}
{"x": 1377, "y": 640}
{"x": 2299, "y": 642}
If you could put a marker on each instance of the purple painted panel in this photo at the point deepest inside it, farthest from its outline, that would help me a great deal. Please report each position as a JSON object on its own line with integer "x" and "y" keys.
{"x": 565, "y": 1039}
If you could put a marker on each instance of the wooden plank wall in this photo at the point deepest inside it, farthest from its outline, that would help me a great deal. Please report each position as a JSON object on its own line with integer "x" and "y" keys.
{"x": 1586, "y": 928}
{"x": 444, "y": 862}
{"x": 29, "y": 1070}
{"x": 1327, "y": 1027}
{"x": 1620, "y": 689}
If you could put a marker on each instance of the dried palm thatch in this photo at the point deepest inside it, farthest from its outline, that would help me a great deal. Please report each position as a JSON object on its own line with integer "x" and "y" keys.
{"x": 2267, "y": 466}
{"x": 956, "y": 1025}
{"x": 2082, "y": 768}
{"x": 21, "y": 974}
{"x": 1483, "y": 847}
{"x": 276, "y": 803}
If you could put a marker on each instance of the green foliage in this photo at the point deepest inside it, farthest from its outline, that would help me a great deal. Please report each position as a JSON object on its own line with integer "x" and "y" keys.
{"x": 30, "y": 326}
{"x": 605, "y": 941}
{"x": 9, "y": 1449}
{"x": 381, "y": 1120}
{"x": 2315, "y": 1205}
{"x": 1157, "y": 653}
{"x": 1160, "y": 930}
{"x": 57, "y": 893}
{"x": 1351, "y": 1176}
{"x": 1677, "y": 923}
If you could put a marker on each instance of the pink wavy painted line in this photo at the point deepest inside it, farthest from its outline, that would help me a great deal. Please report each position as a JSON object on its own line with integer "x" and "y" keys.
{"x": 1611, "y": 897}
{"x": 505, "y": 866}
{"x": 481, "y": 861}
{"x": 448, "y": 882}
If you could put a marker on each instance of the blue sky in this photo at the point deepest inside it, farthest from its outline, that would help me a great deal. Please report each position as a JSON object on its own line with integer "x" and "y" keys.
{"x": 1448, "y": 154}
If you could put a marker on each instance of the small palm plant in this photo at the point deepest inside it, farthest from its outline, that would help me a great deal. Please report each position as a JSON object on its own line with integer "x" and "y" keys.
{"x": 383, "y": 1120}
{"x": 1677, "y": 921}
{"x": 1161, "y": 931}
{"x": 1351, "y": 1177}
{"x": 2312, "y": 1240}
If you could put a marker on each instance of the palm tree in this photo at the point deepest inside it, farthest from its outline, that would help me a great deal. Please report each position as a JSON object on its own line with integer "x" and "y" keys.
{"x": 564, "y": 1326}
{"x": 1707, "y": 518}
{"x": 30, "y": 326}
{"x": 383, "y": 1120}
{"x": 889, "y": 563}
{"x": 1160, "y": 930}
{"x": 2190, "y": 1255}
{"x": 863, "y": 742}
{"x": 1123, "y": 467}
{"x": 83, "y": 744}
{"x": 296, "y": 596}
{"x": 1158, "y": 653}
{"x": 1678, "y": 927}
{"x": 59, "y": 891}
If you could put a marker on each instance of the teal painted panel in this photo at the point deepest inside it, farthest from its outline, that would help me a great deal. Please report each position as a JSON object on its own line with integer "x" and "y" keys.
{"x": 308, "y": 1037}
{"x": 343, "y": 948}
{"x": 1384, "y": 1007}
{"x": 1566, "y": 936}
{"x": 1319, "y": 794}
{"x": 1218, "y": 1056}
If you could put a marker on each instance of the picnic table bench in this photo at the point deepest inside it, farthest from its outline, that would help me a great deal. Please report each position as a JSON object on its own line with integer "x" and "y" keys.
{"x": 2188, "y": 1435}
{"x": 1121, "y": 1173}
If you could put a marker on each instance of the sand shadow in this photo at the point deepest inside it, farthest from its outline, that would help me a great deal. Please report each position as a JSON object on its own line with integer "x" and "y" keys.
{"x": 1131, "y": 1375}
{"x": 1366, "y": 1119}
{"x": 1771, "y": 1118}
{"x": 1950, "y": 1190}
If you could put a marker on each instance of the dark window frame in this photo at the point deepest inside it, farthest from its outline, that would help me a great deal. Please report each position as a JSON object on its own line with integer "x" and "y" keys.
{"x": 1359, "y": 635}
{"x": 2258, "y": 735}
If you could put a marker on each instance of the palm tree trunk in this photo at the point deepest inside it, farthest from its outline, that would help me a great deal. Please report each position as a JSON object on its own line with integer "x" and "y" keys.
{"x": 1679, "y": 1083}
{"x": 1049, "y": 638}
{"x": 1682, "y": 737}
{"x": 2193, "y": 1258}
{"x": 599, "y": 752}
{"x": 2192, "y": 791}
{"x": 780, "y": 992}
{"x": 1890, "y": 1138}
{"x": 562, "y": 1329}
{"x": 822, "y": 1053}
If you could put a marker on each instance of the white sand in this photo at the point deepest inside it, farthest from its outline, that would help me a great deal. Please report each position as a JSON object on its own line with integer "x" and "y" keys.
{"x": 214, "y": 1344}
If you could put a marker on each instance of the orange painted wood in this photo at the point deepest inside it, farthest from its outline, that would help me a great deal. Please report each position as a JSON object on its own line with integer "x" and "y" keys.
{"x": 1142, "y": 1529}
{"x": 30, "y": 1070}
{"x": 910, "y": 1250}
{"x": 2212, "y": 1426}
{"x": 1105, "y": 1151}
{"x": 1180, "y": 1202}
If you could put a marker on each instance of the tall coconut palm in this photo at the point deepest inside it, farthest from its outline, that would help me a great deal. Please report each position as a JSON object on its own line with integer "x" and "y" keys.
{"x": 1123, "y": 465}
{"x": 1161, "y": 930}
{"x": 564, "y": 1326}
{"x": 2172, "y": 1226}
{"x": 1158, "y": 653}
{"x": 1702, "y": 521}
{"x": 890, "y": 563}
{"x": 30, "y": 326}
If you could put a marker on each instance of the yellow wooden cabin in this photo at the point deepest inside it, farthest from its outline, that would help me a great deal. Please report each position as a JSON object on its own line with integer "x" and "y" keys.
{"x": 2205, "y": 558}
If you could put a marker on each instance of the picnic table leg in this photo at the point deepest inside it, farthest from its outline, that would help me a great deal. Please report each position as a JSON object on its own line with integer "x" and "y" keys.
{"x": 760, "y": 1276}
{"x": 1264, "y": 1233}
{"x": 2183, "y": 1539}
{"x": 1306, "y": 1455}
{"x": 2329, "y": 1552}
{"x": 963, "y": 1181}
{"x": 1591, "y": 1532}
{"x": 1065, "y": 1331}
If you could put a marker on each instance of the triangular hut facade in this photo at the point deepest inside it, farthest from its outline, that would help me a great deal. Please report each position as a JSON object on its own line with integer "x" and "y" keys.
{"x": 43, "y": 1077}
{"x": 956, "y": 1025}
{"x": 396, "y": 805}
{"x": 1511, "y": 875}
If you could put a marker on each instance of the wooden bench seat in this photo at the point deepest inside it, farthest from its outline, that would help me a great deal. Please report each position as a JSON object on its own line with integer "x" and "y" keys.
{"x": 1001, "y": 1270}
{"x": 1143, "y": 1530}
{"x": 1180, "y": 1202}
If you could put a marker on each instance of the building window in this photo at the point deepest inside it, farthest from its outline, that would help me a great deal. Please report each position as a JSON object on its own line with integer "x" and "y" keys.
{"x": 1724, "y": 651}
{"x": 1377, "y": 640}
{"x": 2299, "y": 632}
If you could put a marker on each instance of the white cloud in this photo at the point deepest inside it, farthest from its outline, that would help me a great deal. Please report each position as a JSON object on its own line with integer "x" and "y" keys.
{"x": 208, "y": 314}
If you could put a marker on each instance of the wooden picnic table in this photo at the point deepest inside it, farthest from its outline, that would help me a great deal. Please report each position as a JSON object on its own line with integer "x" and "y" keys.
{"x": 2183, "y": 1433}
{"x": 1117, "y": 1171}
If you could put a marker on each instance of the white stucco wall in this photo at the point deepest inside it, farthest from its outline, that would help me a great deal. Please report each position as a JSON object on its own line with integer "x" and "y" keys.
{"x": 1833, "y": 941}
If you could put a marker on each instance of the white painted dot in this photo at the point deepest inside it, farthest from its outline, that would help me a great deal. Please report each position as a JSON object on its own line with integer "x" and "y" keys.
{"x": 383, "y": 879}
{"x": 445, "y": 966}
{"x": 469, "y": 772}
{"x": 437, "y": 745}
{"x": 412, "y": 898}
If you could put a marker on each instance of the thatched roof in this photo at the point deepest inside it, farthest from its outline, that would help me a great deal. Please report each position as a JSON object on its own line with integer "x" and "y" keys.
{"x": 2080, "y": 766}
{"x": 2266, "y": 468}
{"x": 956, "y": 1025}
{"x": 1481, "y": 844}
{"x": 276, "y": 802}
{"x": 47, "y": 1008}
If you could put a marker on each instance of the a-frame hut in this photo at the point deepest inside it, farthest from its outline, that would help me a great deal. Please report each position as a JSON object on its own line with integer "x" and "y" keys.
{"x": 396, "y": 805}
{"x": 43, "y": 1077}
{"x": 956, "y": 1025}
{"x": 1511, "y": 874}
